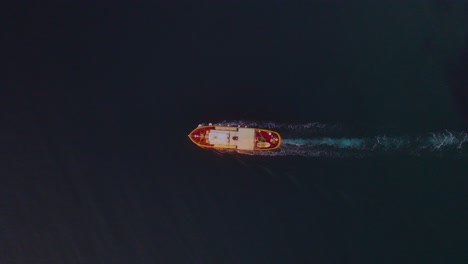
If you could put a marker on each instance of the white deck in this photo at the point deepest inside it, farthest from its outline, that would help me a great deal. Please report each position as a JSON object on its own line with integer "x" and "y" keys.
{"x": 224, "y": 136}
{"x": 219, "y": 137}
{"x": 246, "y": 139}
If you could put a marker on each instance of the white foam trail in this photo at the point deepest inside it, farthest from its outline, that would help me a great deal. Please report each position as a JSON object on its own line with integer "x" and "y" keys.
{"x": 445, "y": 143}
{"x": 321, "y": 140}
{"x": 334, "y": 142}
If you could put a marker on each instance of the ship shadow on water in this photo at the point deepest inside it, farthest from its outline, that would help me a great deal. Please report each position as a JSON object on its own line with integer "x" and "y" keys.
{"x": 439, "y": 148}
{"x": 287, "y": 150}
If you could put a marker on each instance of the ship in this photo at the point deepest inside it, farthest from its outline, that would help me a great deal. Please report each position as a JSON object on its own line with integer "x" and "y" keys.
{"x": 235, "y": 138}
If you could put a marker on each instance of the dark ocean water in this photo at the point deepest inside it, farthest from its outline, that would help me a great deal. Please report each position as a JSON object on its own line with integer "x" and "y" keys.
{"x": 370, "y": 98}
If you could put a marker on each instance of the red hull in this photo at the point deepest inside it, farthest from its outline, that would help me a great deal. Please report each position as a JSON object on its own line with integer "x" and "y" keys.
{"x": 220, "y": 137}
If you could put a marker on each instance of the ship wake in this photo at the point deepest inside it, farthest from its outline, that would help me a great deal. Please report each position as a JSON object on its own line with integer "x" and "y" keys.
{"x": 436, "y": 143}
{"x": 321, "y": 140}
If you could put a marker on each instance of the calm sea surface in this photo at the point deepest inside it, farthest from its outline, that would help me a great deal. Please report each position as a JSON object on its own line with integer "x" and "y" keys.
{"x": 97, "y": 167}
